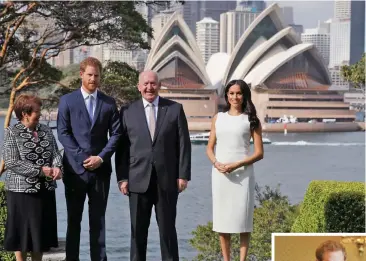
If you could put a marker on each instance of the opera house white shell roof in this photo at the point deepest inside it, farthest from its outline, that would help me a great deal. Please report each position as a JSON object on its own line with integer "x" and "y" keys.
{"x": 268, "y": 54}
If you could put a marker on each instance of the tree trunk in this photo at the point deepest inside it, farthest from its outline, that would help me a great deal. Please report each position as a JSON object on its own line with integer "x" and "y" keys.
{"x": 7, "y": 121}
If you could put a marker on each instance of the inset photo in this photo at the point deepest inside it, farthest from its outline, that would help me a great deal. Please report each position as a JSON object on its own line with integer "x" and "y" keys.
{"x": 318, "y": 247}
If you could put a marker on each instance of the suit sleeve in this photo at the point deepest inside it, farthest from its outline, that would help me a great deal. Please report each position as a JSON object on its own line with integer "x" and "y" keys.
{"x": 123, "y": 150}
{"x": 185, "y": 149}
{"x": 56, "y": 155}
{"x": 114, "y": 134}
{"x": 65, "y": 135}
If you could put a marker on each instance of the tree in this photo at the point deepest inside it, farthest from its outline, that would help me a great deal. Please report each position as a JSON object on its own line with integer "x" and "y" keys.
{"x": 355, "y": 73}
{"x": 274, "y": 213}
{"x": 34, "y": 32}
{"x": 31, "y": 33}
{"x": 118, "y": 80}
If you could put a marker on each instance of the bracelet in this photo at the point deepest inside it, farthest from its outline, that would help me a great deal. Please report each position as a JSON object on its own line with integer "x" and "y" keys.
{"x": 214, "y": 162}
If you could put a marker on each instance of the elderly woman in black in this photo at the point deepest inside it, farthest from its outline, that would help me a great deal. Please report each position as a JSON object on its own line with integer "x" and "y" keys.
{"x": 32, "y": 166}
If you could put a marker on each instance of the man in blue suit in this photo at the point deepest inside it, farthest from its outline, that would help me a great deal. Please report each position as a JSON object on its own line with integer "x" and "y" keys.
{"x": 85, "y": 118}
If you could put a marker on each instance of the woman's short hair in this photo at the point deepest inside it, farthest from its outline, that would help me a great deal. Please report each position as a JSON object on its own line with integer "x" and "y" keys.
{"x": 329, "y": 246}
{"x": 90, "y": 61}
{"x": 26, "y": 103}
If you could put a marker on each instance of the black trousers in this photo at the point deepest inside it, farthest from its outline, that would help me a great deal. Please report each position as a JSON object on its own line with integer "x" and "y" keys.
{"x": 140, "y": 212}
{"x": 96, "y": 186}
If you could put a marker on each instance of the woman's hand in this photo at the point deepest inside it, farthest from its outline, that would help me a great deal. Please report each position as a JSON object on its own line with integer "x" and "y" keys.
{"x": 230, "y": 167}
{"x": 48, "y": 172}
{"x": 220, "y": 167}
{"x": 57, "y": 174}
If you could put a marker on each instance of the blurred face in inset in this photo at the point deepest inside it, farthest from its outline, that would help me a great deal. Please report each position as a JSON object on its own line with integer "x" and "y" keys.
{"x": 90, "y": 78}
{"x": 32, "y": 119}
{"x": 149, "y": 85}
{"x": 333, "y": 256}
{"x": 235, "y": 96}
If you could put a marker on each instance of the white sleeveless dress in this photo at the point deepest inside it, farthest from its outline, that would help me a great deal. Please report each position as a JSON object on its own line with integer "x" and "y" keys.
{"x": 233, "y": 193}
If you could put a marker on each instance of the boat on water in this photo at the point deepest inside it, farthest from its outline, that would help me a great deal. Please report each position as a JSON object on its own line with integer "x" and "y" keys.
{"x": 202, "y": 138}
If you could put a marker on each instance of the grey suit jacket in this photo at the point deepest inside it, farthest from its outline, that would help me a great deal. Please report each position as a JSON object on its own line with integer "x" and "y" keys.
{"x": 169, "y": 152}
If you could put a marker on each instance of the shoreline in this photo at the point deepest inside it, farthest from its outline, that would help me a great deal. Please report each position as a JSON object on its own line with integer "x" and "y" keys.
{"x": 204, "y": 125}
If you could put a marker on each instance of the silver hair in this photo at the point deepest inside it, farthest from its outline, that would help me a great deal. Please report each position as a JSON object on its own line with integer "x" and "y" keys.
{"x": 156, "y": 75}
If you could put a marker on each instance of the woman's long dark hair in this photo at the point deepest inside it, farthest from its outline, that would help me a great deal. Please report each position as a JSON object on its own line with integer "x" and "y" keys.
{"x": 247, "y": 106}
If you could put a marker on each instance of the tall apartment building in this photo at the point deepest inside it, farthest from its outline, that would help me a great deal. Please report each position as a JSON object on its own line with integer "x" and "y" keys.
{"x": 320, "y": 37}
{"x": 347, "y": 36}
{"x": 347, "y": 32}
{"x": 340, "y": 44}
{"x": 113, "y": 52}
{"x": 256, "y": 6}
{"x": 357, "y": 30}
{"x": 232, "y": 26}
{"x": 342, "y": 9}
{"x": 207, "y": 37}
{"x": 288, "y": 14}
{"x": 194, "y": 11}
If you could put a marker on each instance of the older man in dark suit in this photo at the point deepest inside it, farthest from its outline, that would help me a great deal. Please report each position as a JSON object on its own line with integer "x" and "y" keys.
{"x": 153, "y": 164}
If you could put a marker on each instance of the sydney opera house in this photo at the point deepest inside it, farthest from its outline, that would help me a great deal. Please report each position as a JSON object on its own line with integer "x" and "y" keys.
{"x": 286, "y": 76}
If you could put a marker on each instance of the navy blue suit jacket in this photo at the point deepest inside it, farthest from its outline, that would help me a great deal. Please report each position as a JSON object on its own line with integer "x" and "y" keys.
{"x": 82, "y": 138}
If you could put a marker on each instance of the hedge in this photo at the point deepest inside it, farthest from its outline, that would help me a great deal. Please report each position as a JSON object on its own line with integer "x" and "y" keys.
{"x": 4, "y": 256}
{"x": 332, "y": 207}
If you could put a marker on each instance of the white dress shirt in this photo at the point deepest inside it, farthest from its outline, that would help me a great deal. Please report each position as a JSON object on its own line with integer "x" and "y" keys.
{"x": 87, "y": 99}
{"x": 148, "y": 108}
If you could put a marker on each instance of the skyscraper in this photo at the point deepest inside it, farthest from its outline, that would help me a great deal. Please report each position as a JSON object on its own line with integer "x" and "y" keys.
{"x": 347, "y": 42}
{"x": 320, "y": 37}
{"x": 207, "y": 37}
{"x": 288, "y": 14}
{"x": 194, "y": 11}
{"x": 232, "y": 26}
{"x": 347, "y": 37}
{"x": 255, "y": 6}
{"x": 357, "y": 30}
{"x": 342, "y": 9}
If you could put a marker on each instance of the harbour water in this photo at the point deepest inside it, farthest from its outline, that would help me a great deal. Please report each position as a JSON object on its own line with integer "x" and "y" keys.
{"x": 292, "y": 161}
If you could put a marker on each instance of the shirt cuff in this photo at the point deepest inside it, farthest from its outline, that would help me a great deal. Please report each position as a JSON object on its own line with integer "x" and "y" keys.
{"x": 100, "y": 159}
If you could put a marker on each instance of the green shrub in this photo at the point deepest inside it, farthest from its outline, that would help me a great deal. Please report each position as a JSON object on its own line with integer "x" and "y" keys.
{"x": 274, "y": 213}
{"x": 4, "y": 256}
{"x": 332, "y": 206}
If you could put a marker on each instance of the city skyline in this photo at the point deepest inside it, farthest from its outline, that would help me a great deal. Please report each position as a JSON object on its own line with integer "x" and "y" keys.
{"x": 319, "y": 10}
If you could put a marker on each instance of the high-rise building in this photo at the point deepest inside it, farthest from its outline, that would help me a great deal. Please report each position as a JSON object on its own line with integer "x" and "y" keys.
{"x": 347, "y": 37}
{"x": 118, "y": 53}
{"x": 338, "y": 83}
{"x": 357, "y": 31}
{"x": 340, "y": 44}
{"x": 207, "y": 37}
{"x": 349, "y": 20}
{"x": 299, "y": 29}
{"x": 320, "y": 37}
{"x": 194, "y": 11}
{"x": 232, "y": 26}
{"x": 342, "y": 9}
{"x": 253, "y": 6}
{"x": 288, "y": 14}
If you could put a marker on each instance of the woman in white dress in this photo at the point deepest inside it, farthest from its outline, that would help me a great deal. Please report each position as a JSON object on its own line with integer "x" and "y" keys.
{"x": 232, "y": 173}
